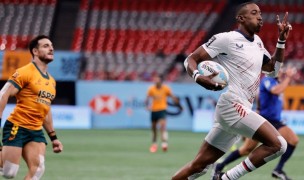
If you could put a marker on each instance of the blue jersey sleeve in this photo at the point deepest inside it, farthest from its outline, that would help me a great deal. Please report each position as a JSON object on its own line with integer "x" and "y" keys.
{"x": 268, "y": 83}
{"x": 270, "y": 104}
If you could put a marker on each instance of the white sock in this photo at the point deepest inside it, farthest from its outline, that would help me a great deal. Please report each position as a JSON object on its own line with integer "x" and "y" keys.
{"x": 1, "y": 171}
{"x": 249, "y": 164}
{"x": 239, "y": 170}
{"x": 165, "y": 136}
{"x": 224, "y": 177}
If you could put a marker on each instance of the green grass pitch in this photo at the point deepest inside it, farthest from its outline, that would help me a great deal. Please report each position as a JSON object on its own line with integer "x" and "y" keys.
{"x": 124, "y": 155}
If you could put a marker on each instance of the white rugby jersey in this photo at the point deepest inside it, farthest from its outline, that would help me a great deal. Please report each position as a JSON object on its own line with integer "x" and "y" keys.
{"x": 243, "y": 59}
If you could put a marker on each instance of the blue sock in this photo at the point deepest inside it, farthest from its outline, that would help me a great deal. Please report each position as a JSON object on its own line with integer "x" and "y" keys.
{"x": 230, "y": 158}
{"x": 285, "y": 157}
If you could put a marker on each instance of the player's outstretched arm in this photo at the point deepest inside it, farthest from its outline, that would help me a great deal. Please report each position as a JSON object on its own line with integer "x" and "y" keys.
{"x": 278, "y": 57}
{"x": 191, "y": 62}
{"x": 147, "y": 103}
{"x": 176, "y": 101}
{"x": 280, "y": 88}
{"x": 48, "y": 126}
{"x": 284, "y": 29}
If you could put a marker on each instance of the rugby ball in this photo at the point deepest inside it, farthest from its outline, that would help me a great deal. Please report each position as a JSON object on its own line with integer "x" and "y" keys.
{"x": 206, "y": 68}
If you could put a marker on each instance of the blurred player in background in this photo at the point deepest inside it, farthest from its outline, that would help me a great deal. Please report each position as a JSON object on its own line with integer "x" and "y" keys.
{"x": 242, "y": 54}
{"x": 158, "y": 94}
{"x": 34, "y": 89}
{"x": 270, "y": 106}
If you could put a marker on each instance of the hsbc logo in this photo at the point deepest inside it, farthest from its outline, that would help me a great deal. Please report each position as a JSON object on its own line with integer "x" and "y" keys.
{"x": 105, "y": 104}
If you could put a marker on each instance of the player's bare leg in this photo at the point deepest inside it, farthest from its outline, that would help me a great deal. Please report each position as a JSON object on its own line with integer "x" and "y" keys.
{"x": 273, "y": 145}
{"x": 153, "y": 147}
{"x": 244, "y": 150}
{"x": 292, "y": 141}
{"x": 33, "y": 154}
{"x": 272, "y": 142}
{"x": 164, "y": 134}
{"x": 248, "y": 146}
{"x": 289, "y": 135}
{"x": 207, "y": 155}
{"x": 1, "y": 163}
{"x": 11, "y": 156}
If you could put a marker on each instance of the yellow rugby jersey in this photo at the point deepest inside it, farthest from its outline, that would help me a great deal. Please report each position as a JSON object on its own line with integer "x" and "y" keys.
{"x": 36, "y": 92}
{"x": 159, "y": 97}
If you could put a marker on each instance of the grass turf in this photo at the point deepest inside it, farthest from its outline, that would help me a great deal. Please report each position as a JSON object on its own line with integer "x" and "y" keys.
{"x": 124, "y": 155}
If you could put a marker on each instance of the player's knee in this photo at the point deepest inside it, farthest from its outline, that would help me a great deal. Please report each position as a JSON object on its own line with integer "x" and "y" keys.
{"x": 283, "y": 145}
{"x": 294, "y": 141}
{"x": 39, "y": 173}
{"x": 278, "y": 149}
{"x": 40, "y": 169}
{"x": 280, "y": 146}
{"x": 245, "y": 151}
{"x": 10, "y": 170}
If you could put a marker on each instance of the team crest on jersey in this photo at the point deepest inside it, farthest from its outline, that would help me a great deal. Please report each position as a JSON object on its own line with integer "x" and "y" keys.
{"x": 38, "y": 82}
{"x": 239, "y": 46}
{"x": 15, "y": 75}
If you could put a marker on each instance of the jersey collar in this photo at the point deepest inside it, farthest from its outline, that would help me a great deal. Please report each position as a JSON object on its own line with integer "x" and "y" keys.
{"x": 46, "y": 76}
{"x": 245, "y": 36}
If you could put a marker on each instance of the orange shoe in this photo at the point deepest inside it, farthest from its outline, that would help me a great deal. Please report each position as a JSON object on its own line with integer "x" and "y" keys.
{"x": 165, "y": 146}
{"x": 153, "y": 148}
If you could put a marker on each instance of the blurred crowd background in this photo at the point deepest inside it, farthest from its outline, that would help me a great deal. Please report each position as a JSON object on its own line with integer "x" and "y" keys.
{"x": 131, "y": 40}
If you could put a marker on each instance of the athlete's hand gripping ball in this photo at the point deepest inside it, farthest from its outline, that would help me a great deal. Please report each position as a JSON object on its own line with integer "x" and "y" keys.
{"x": 212, "y": 76}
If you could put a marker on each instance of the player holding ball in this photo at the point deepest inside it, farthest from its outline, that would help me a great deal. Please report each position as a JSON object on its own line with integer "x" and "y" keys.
{"x": 241, "y": 52}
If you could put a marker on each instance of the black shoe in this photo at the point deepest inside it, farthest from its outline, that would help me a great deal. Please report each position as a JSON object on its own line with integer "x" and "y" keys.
{"x": 218, "y": 167}
{"x": 217, "y": 176}
{"x": 280, "y": 175}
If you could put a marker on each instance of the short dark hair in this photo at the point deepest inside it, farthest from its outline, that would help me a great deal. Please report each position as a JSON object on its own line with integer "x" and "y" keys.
{"x": 241, "y": 6}
{"x": 161, "y": 77}
{"x": 34, "y": 42}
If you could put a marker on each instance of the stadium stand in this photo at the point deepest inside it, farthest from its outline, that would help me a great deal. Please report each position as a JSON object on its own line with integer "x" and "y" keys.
{"x": 148, "y": 31}
{"x": 80, "y": 25}
{"x": 294, "y": 47}
{"x": 130, "y": 39}
{"x": 294, "y": 53}
{"x": 22, "y": 19}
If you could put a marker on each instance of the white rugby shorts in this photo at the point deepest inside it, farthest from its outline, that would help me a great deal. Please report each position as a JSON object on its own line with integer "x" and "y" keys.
{"x": 233, "y": 118}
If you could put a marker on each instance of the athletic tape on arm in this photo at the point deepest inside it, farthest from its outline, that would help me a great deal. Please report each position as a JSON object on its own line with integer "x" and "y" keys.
{"x": 186, "y": 64}
{"x": 277, "y": 67}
